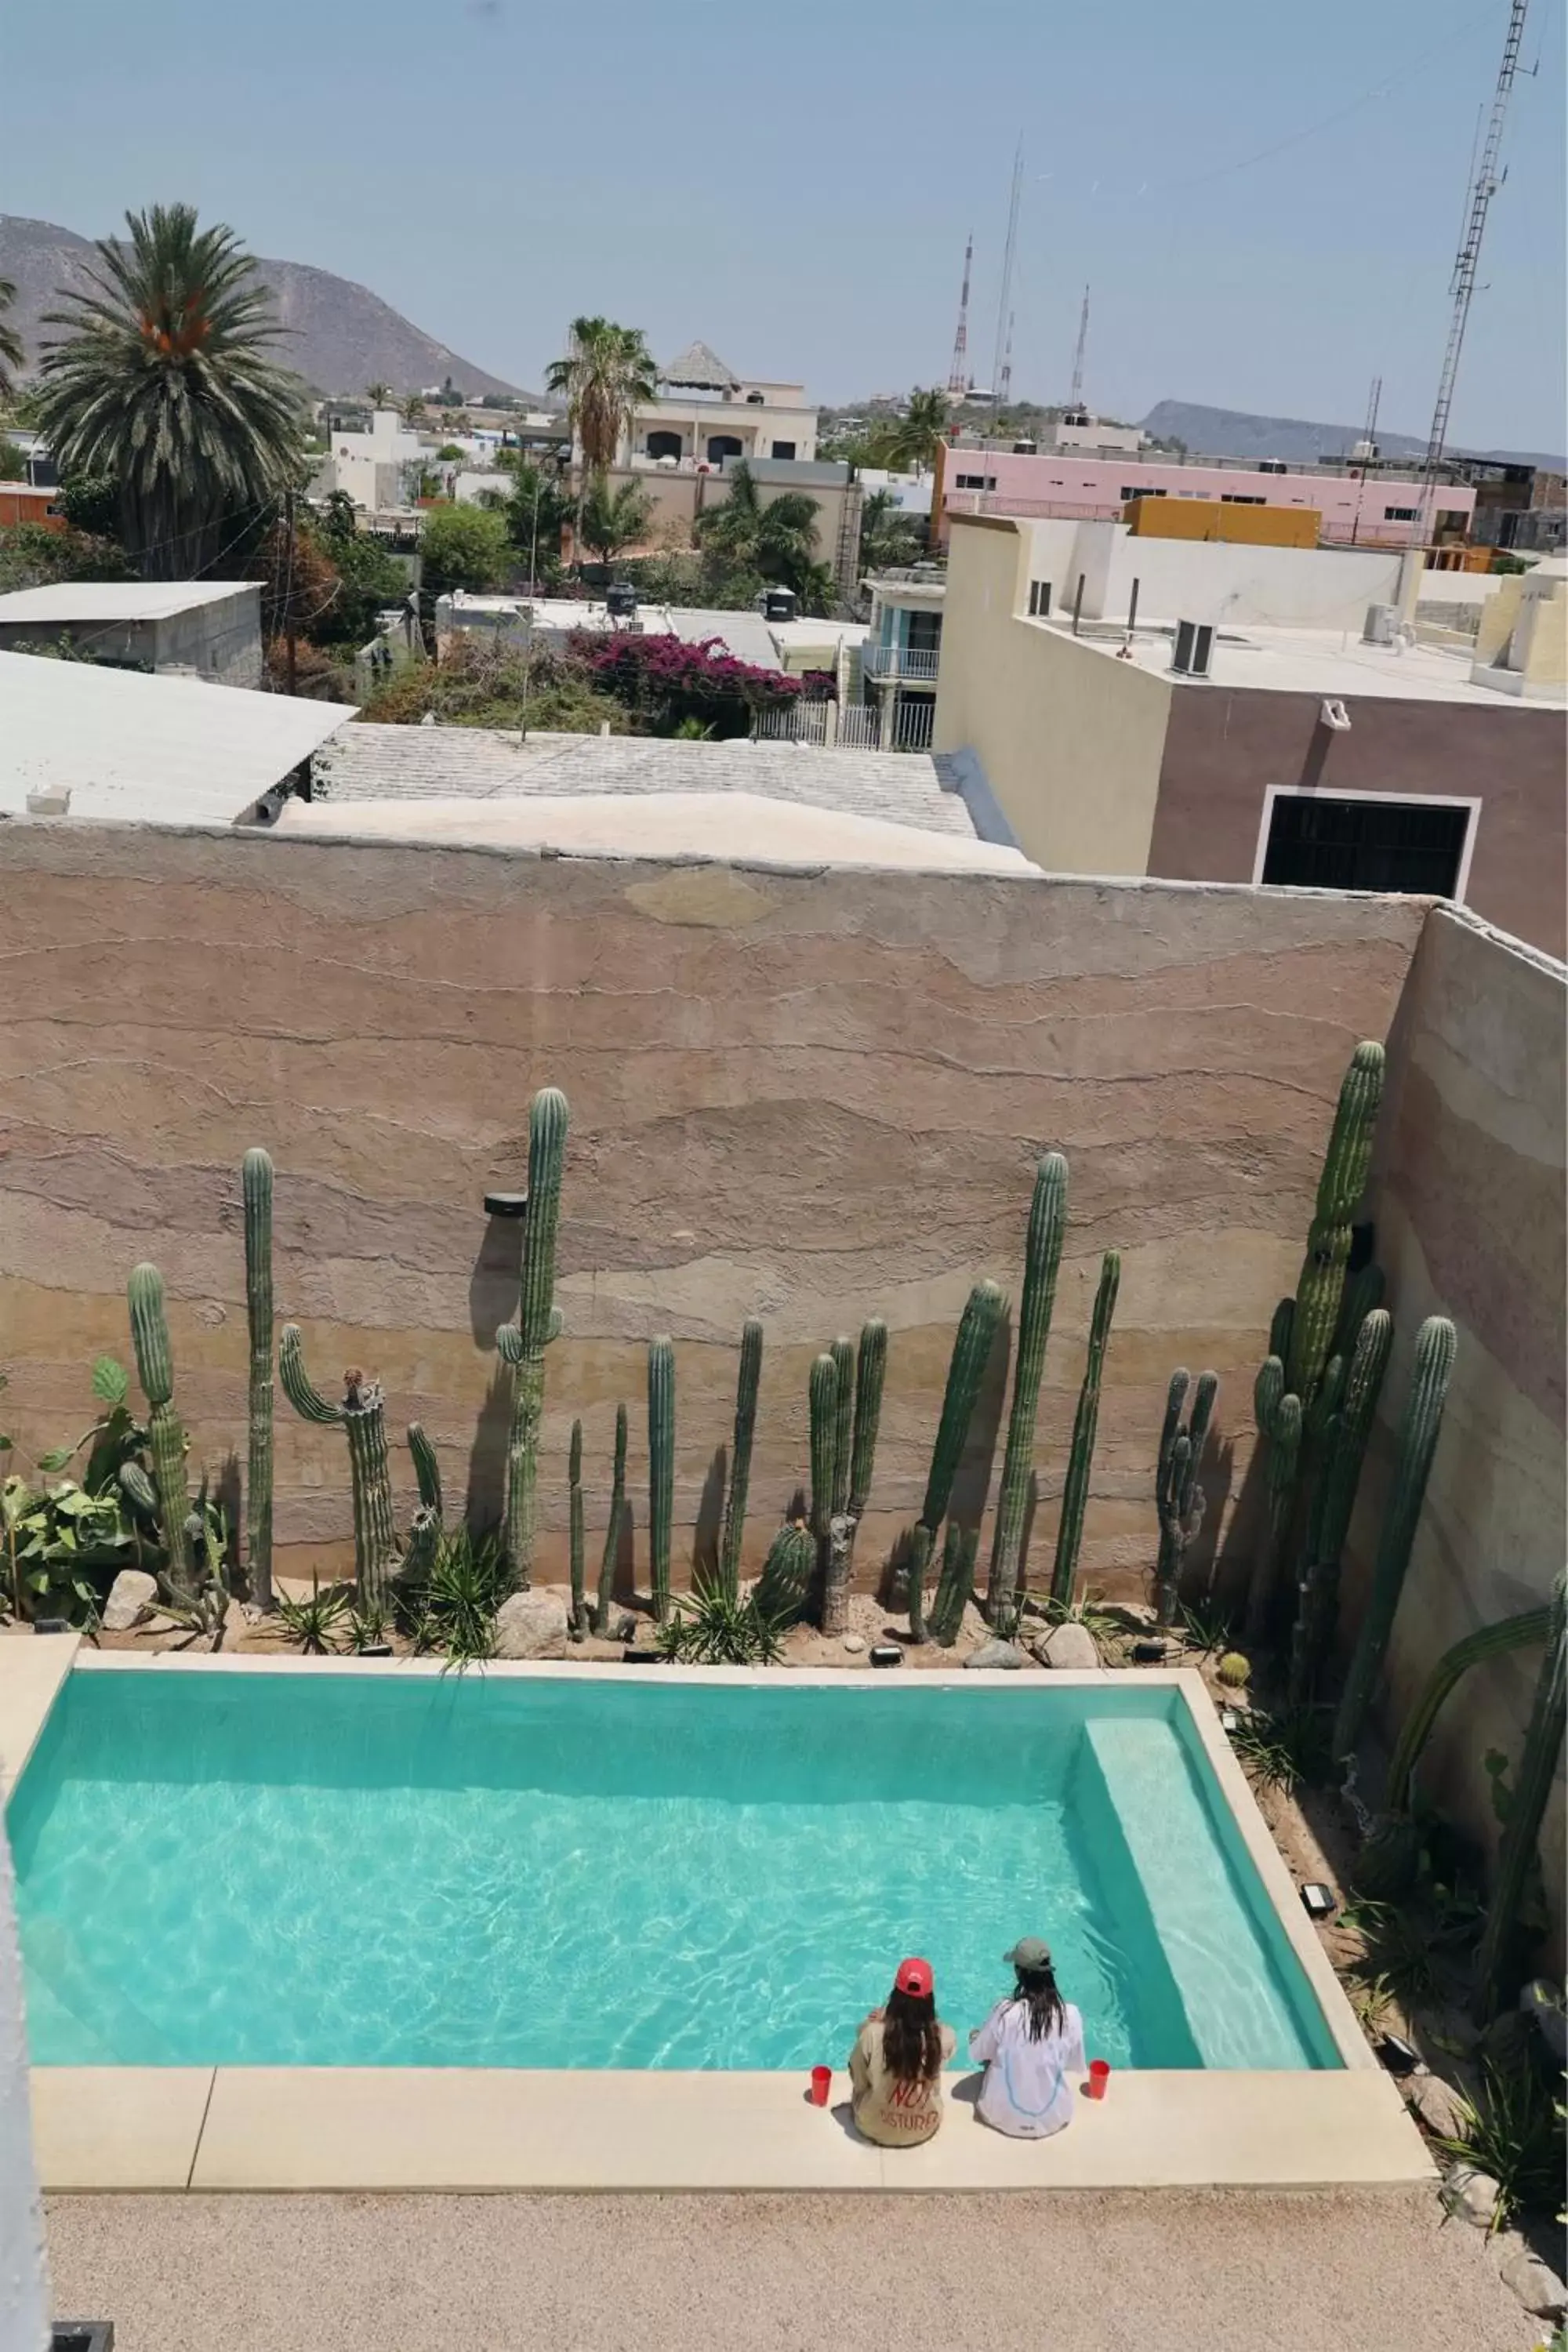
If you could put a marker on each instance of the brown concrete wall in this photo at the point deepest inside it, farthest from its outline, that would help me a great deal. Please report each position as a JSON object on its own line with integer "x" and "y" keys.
{"x": 1468, "y": 1199}
{"x": 812, "y": 1096}
{"x": 1223, "y": 749}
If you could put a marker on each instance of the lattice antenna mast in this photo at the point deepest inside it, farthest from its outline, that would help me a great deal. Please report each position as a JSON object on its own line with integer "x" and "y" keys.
{"x": 1075, "y": 398}
{"x": 1005, "y": 380}
{"x": 1484, "y": 185}
{"x": 1004, "y": 306}
{"x": 958, "y": 374}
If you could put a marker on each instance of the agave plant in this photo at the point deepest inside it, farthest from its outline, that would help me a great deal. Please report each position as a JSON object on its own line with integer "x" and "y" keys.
{"x": 314, "y": 1623}
{"x": 713, "y": 1628}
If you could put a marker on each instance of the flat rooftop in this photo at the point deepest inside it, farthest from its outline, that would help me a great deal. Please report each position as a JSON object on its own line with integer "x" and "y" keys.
{"x": 69, "y": 601}
{"x": 1310, "y": 661}
{"x": 745, "y": 635}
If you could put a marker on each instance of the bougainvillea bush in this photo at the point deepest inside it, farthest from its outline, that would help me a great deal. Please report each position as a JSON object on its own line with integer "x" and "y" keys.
{"x": 663, "y": 682}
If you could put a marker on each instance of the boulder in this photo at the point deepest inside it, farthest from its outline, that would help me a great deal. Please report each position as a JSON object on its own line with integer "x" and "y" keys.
{"x": 854, "y": 1643}
{"x": 1438, "y": 2105}
{"x": 133, "y": 1598}
{"x": 1068, "y": 1648}
{"x": 1471, "y": 2195}
{"x": 1535, "y": 2283}
{"x": 992, "y": 1655}
{"x": 531, "y": 1625}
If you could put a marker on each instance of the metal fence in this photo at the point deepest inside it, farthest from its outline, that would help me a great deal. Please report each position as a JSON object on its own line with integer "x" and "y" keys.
{"x": 904, "y": 726}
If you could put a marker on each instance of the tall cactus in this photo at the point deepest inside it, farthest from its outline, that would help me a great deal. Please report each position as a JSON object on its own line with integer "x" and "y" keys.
{"x": 660, "y": 1469}
{"x": 955, "y": 1585}
{"x": 858, "y": 1374}
{"x": 606, "y": 1593}
{"x": 362, "y": 1417}
{"x": 1527, "y": 1810}
{"x": 1086, "y": 1424}
{"x": 1179, "y": 1497}
{"x": 746, "y": 1383}
{"x": 424, "y": 1528}
{"x": 1525, "y": 1631}
{"x": 1435, "y": 1345}
{"x": 538, "y": 1323}
{"x": 165, "y": 1434}
{"x": 966, "y": 1369}
{"x": 1042, "y": 1259}
{"x": 575, "y": 1532}
{"x": 1333, "y": 1500}
{"x": 870, "y": 1371}
{"x": 256, "y": 1184}
{"x": 823, "y": 1402}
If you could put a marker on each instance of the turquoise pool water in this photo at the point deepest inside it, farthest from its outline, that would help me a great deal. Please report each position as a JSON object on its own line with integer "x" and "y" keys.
{"x": 343, "y": 1868}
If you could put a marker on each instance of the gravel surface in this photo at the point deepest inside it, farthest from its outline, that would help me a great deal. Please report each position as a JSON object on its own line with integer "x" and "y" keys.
{"x": 1233, "y": 2272}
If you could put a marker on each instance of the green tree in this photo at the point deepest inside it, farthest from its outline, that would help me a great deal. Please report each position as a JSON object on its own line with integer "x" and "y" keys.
{"x": 34, "y": 557}
{"x": 11, "y": 351}
{"x": 379, "y": 395}
{"x": 167, "y": 381}
{"x": 608, "y": 372}
{"x": 888, "y": 536}
{"x": 464, "y": 547}
{"x": 912, "y": 439}
{"x": 13, "y": 464}
{"x": 538, "y": 509}
{"x": 613, "y": 520}
{"x": 746, "y": 540}
{"x": 370, "y": 577}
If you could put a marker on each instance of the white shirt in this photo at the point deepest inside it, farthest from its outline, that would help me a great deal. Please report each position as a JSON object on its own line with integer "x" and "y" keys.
{"x": 1030, "y": 2087}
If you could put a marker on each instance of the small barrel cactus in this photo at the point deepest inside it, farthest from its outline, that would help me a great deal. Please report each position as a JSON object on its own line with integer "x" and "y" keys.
{"x": 1234, "y": 1670}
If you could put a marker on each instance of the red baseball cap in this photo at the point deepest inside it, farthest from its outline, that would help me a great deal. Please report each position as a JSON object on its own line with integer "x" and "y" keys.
{"x": 914, "y": 1976}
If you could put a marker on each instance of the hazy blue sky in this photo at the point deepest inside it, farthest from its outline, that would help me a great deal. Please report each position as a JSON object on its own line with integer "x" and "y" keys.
{"x": 794, "y": 184}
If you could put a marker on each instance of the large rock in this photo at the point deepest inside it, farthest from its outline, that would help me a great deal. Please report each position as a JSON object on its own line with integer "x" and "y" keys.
{"x": 1438, "y": 2105}
{"x": 992, "y": 1655}
{"x": 1472, "y": 2195}
{"x": 1535, "y": 2283}
{"x": 133, "y": 1598}
{"x": 531, "y": 1625}
{"x": 1068, "y": 1648}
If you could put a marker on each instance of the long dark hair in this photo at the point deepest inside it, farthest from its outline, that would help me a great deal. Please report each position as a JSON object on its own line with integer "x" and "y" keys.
{"x": 911, "y": 2038}
{"x": 1036, "y": 1989}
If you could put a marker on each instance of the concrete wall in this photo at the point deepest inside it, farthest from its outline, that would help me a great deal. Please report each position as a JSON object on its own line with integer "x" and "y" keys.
{"x": 219, "y": 641}
{"x": 1070, "y": 743}
{"x": 1468, "y": 1201}
{"x": 1186, "y": 580}
{"x": 1223, "y": 749}
{"x": 811, "y": 1095}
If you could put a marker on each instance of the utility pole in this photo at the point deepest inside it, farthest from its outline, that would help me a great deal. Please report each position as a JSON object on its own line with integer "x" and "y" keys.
{"x": 1484, "y": 185}
{"x": 290, "y": 633}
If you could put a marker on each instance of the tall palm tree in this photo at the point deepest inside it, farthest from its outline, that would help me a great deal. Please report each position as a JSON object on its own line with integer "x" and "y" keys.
{"x": 608, "y": 372}
{"x": 11, "y": 351}
{"x": 167, "y": 385}
{"x": 615, "y": 520}
{"x": 749, "y": 539}
{"x": 378, "y": 394}
{"x": 912, "y": 439}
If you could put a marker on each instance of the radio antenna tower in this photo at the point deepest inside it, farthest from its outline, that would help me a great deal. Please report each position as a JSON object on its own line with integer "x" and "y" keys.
{"x": 1484, "y": 185}
{"x": 1004, "y": 305}
{"x": 1005, "y": 380}
{"x": 1075, "y": 397}
{"x": 958, "y": 374}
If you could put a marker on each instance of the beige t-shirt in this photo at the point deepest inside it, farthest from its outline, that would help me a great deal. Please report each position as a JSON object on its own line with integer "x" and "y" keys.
{"x": 893, "y": 2114}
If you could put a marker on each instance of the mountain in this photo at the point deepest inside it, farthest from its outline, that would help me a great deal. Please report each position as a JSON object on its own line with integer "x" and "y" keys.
{"x": 343, "y": 336}
{"x": 1233, "y": 433}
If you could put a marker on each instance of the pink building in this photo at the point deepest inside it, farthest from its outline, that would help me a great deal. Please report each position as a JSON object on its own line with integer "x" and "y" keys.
{"x": 1376, "y": 512}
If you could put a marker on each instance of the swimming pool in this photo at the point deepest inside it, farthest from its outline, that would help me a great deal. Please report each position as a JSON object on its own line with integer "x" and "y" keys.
{"x": 332, "y": 1866}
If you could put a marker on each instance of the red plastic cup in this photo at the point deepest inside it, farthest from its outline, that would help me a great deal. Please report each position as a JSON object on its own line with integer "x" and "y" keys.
{"x": 1099, "y": 2075}
{"x": 821, "y": 2081}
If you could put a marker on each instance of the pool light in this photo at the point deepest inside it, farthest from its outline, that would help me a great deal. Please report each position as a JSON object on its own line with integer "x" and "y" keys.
{"x": 1318, "y": 1899}
{"x": 506, "y": 1204}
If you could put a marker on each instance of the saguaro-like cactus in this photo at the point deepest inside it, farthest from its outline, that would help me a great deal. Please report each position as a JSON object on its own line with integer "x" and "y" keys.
{"x": 1178, "y": 1498}
{"x": 858, "y": 1377}
{"x": 1343, "y": 1453}
{"x": 575, "y": 1508}
{"x": 1527, "y": 1810}
{"x": 660, "y": 1469}
{"x": 870, "y": 1371}
{"x": 256, "y": 1184}
{"x": 823, "y": 1401}
{"x": 955, "y": 1584}
{"x": 1042, "y": 1258}
{"x": 966, "y": 1369}
{"x": 424, "y": 1528}
{"x": 781, "y": 1590}
{"x": 165, "y": 1435}
{"x": 1435, "y": 1345}
{"x": 538, "y": 1323}
{"x": 1086, "y": 1424}
{"x": 362, "y": 1417}
{"x": 746, "y": 1381}
{"x": 606, "y": 1594}
{"x": 1525, "y": 1631}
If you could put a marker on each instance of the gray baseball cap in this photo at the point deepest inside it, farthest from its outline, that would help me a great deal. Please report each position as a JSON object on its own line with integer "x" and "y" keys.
{"x": 1029, "y": 1952}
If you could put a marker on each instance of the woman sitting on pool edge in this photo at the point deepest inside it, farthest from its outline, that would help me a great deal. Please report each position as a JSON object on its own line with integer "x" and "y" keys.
{"x": 1032, "y": 2049}
{"x": 895, "y": 2067}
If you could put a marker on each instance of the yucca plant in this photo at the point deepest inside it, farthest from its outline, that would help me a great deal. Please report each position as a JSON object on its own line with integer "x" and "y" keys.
{"x": 713, "y": 1628}
{"x": 314, "y": 1623}
{"x": 1513, "y": 2132}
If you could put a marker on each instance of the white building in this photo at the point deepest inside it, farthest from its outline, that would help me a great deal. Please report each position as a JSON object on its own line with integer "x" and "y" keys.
{"x": 176, "y": 628}
{"x": 367, "y": 464}
{"x": 707, "y": 415}
{"x": 1075, "y": 428}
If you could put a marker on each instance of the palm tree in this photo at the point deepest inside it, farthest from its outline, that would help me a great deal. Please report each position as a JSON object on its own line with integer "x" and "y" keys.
{"x": 888, "y": 535}
{"x": 379, "y": 395}
{"x": 912, "y": 438}
{"x": 613, "y": 520}
{"x": 608, "y": 372}
{"x": 744, "y": 538}
{"x": 167, "y": 385}
{"x": 11, "y": 351}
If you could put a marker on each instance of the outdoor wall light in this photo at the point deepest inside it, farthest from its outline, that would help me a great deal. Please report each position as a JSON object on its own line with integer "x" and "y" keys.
{"x": 1229, "y": 1722}
{"x": 1397, "y": 2055}
{"x": 51, "y": 1625}
{"x": 1149, "y": 1653}
{"x": 886, "y": 1654}
{"x": 1318, "y": 1899}
{"x": 506, "y": 1204}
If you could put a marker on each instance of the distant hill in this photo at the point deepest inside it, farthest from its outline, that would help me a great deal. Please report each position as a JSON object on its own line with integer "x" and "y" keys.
{"x": 343, "y": 336}
{"x": 1233, "y": 433}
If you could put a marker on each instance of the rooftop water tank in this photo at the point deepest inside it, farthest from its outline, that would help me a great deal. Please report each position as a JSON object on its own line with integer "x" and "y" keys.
{"x": 780, "y": 604}
{"x": 620, "y": 599}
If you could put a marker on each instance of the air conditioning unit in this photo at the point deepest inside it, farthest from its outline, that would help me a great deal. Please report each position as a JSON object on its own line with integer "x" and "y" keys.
{"x": 1193, "y": 653}
{"x": 1380, "y": 625}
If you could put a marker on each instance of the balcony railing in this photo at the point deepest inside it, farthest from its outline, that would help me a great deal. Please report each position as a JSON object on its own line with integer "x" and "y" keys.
{"x": 893, "y": 662}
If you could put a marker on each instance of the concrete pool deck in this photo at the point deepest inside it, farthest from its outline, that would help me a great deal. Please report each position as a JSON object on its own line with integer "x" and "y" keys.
{"x": 415, "y": 2129}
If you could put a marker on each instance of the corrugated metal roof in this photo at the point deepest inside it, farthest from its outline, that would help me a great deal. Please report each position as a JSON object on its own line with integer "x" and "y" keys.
{"x": 149, "y": 750}
{"x": 72, "y": 601}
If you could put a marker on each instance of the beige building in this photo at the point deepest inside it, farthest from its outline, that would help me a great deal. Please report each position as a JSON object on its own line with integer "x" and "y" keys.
{"x": 707, "y": 415}
{"x": 1134, "y": 708}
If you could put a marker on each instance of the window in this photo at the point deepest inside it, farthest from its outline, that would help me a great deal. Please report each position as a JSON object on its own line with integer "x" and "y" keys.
{"x": 1131, "y": 490}
{"x": 783, "y": 448}
{"x": 1399, "y": 514}
{"x": 974, "y": 481}
{"x": 722, "y": 445}
{"x": 1039, "y": 599}
{"x": 663, "y": 445}
{"x": 1366, "y": 844}
{"x": 1240, "y": 499}
{"x": 925, "y": 632}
